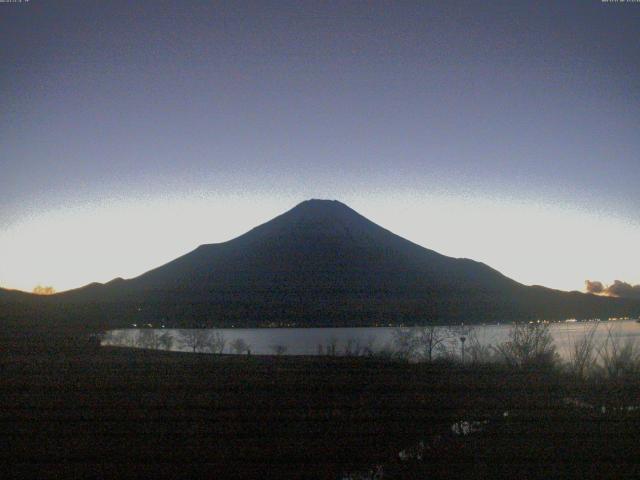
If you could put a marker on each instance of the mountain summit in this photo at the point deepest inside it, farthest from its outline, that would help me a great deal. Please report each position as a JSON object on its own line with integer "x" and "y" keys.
{"x": 322, "y": 250}
{"x": 323, "y": 264}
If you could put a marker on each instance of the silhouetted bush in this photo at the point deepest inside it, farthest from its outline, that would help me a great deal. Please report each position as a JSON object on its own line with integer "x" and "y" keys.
{"x": 582, "y": 355}
{"x": 529, "y": 345}
{"x": 617, "y": 359}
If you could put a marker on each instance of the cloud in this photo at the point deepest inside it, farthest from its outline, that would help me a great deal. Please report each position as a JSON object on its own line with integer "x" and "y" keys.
{"x": 617, "y": 289}
{"x": 593, "y": 287}
{"x": 624, "y": 289}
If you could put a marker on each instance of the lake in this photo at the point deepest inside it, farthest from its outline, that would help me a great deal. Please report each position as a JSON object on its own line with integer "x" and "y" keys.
{"x": 314, "y": 341}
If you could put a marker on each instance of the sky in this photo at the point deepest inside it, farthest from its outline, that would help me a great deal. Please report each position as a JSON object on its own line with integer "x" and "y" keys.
{"x": 503, "y": 131}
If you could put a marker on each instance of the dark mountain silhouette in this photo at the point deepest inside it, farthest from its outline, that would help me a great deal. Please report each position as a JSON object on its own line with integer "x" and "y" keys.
{"x": 12, "y": 294}
{"x": 323, "y": 264}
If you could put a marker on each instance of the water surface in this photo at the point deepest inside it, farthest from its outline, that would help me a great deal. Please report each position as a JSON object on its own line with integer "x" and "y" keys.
{"x": 314, "y": 341}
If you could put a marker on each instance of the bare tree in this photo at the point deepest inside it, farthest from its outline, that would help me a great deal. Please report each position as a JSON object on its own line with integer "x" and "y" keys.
{"x": 239, "y": 346}
{"x": 352, "y": 347}
{"x": 618, "y": 360}
{"x": 477, "y": 351}
{"x": 529, "y": 344}
{"x": 198, "y": 340}
{"x": 148, "y": 338}
{"x": 166, "y": 341}
{"x": 429, "y": 339}
{"x": 582, "y": 353}
{"x": 127, "y": 338}
{"x": 421, "y": 342}
{"x": 217, "y": 342}
{"x": 279, "y": 349}
{"x": 331, "y": 346}
{"x": 404, "y": 341}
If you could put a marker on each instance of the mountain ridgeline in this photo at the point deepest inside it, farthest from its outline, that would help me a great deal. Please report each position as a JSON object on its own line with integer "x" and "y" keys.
{"x": 320, "y": 264}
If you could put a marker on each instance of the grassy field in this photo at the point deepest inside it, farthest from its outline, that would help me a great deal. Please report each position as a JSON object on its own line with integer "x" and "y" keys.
{"x": 108, "y": 411}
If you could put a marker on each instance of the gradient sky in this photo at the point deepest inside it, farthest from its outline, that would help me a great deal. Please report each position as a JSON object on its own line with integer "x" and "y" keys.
{"x": 503, "y": 131}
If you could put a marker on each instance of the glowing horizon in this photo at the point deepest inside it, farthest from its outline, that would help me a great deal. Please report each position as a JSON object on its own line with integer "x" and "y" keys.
{"x": 532, "y": 244}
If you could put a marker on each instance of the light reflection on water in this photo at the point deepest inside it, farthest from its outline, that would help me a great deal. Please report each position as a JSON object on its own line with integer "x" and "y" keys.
{"x": 312, "y": 341}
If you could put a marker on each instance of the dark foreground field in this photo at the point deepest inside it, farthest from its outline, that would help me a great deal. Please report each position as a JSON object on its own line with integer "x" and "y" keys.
{"x": 83, "y": 413}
